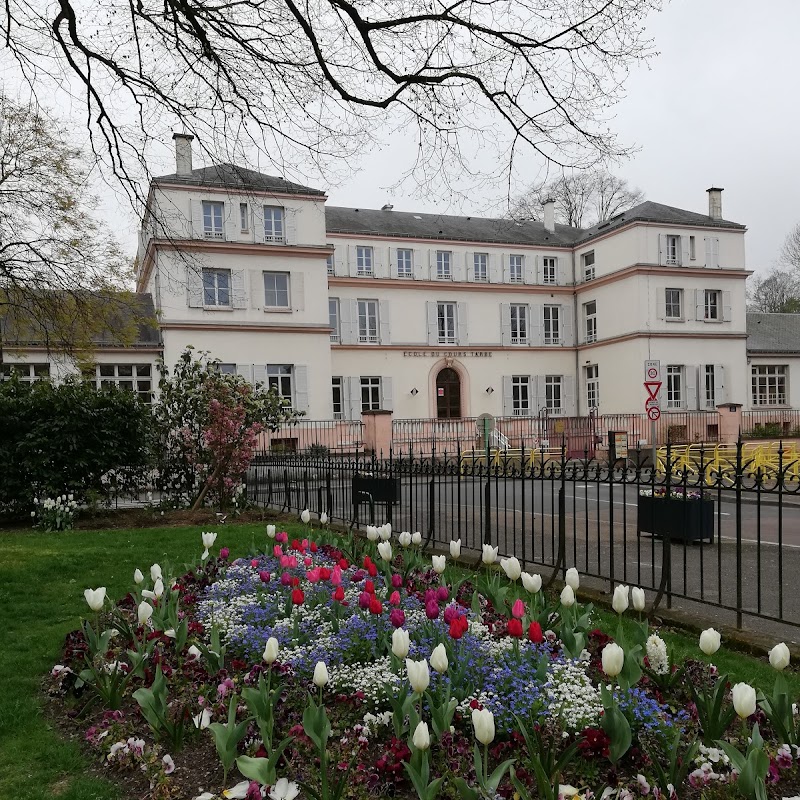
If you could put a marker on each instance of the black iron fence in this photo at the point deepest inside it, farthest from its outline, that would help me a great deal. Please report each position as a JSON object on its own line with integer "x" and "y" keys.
{"x": 724, "y": 533}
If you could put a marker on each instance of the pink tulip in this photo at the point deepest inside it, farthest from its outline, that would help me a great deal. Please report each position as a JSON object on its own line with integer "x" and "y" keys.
{"x": 293, "y": 562}
{"x": 282, "y": 537}
{"x": 450, "y": 613}
{"x": 304, "y": 544}
{"x": 277, "y": 551}
{"x": 224, "y": 553}
{"x": 308, "y": 561}
{"x": 254, "y": 563}
{"x": 336, "y": 576}
{"x": 394, "y": 599}
{"x": 518, "y": 609}
{"x": 285, "y": 561}
{"x": 312, "y": 576}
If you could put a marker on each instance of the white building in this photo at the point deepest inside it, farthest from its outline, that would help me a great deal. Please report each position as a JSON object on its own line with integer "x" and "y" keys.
{"x": 427, "y": 315}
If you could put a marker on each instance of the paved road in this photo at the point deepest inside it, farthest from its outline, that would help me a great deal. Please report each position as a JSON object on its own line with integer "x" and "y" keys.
{"x": 601, "y": 537}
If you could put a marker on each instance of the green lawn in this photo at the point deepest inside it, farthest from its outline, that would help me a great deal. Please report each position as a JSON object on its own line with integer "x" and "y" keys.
{"x": 42, "y": 578}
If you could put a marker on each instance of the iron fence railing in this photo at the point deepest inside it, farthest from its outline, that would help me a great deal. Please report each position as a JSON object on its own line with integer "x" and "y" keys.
{"x": 771, "y": 424}
{"x": 335, "y": 436}
{"x": 721, "y": 532}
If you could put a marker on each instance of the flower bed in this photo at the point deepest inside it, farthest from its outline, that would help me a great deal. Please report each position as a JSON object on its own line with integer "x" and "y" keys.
{"x": 332, "y": 667}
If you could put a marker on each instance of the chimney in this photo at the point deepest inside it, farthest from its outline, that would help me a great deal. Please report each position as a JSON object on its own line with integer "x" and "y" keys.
{"x": 183, "y": 153}
{"x": 715, "y": 202}
{"x": 549, "y": 206}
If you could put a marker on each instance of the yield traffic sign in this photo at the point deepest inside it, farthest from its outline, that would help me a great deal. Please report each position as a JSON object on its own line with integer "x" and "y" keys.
{"x": 652, "y": 388}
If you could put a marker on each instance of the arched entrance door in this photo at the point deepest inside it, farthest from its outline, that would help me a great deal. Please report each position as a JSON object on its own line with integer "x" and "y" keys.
{"x": 448, "y": 394}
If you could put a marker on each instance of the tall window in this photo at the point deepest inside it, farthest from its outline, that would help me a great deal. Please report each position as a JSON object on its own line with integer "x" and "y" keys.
{"x": 587, "y": 261}
{"x": 549, "y": 270}
{"x": 552, "y": 324}
{"x": 520, "y": 395}
{"x": 480, "y": 265}
{"x": 674, "y": 303}
{"x": 674, "y": 386}
{"x": 337, "y": 391}
{"x": 446, "y": 322}
{"x": 212, "y": 220}
{"x": 333, "y": 319}
{"x": 593, "y": 386}
{"x": 244, "y": 217}
{"x": 405, "y": 263}
{"x": 216, "y": 287}
{"x": 331, "y": 264}
{"x": 26, "y": 372}
{"x": 590, "y": 320}
{"x": 364, "y": 260}
{"x": 133, "y": 377}
{"x": 769, "y": 385}
{"x": 692, "y": 248}
{"x": 553, "y": 394}
{"x": 519, "y": 324}
{"x": 515, "y": 268}
{"x": 273, "y": 224}
{"x": 672, "y": 253}
{"x": 712, "y": 303}
{"x": 276, "y": 289}
{"x": 710, "y": 392}
{"x": 279, "y": 378}
{"x": 444, "y": 259}
{"x": 367, "y": 320}
{"x": 370, "y": 394}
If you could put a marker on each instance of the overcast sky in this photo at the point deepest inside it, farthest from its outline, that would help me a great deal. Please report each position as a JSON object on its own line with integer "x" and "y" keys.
{"x": 717, "y": 107}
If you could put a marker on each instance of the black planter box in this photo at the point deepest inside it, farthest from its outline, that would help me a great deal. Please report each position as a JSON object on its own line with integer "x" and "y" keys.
{"x": 380, "y": 490}
{"x": 685, "y": 520}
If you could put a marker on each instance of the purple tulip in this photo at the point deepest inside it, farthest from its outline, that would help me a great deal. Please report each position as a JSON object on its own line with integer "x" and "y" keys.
{"x": 450, "y": 613}
{"x": 397, "y": 581}
{"x": 432, "y": 610}
{"x": 430, "y": 596}
{"x": 286, "y": 579}
{"x": 364, "y": 600}
{"x": 442, "y": 594}
{"x": 397, "y": 617}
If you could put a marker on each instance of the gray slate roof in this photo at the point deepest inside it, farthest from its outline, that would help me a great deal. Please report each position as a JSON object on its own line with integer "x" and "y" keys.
{"x": 371, "y": 222}
{"x": 230, "y": 175}
{"x": 773, "y": 333}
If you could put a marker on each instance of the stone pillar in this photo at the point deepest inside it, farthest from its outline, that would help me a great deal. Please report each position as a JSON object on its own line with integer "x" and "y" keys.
{"x": 730, "y": 421}
{"x": 377, "y": 432}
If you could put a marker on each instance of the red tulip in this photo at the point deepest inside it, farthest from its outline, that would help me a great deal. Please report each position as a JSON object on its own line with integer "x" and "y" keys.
{"x": 535, "y": 633}
{"x": 369, "y": 586}
{"x": 324, "y": 573}
{"x": 375, "y": 606}
{"x": 373, "y": 570}
{"x": 456, "y": 630}
{"x": 515, "y": 628}
{"x": 338, "y": 594}
{"x": 298, "y": 597}
{"x": 314, "y": 547}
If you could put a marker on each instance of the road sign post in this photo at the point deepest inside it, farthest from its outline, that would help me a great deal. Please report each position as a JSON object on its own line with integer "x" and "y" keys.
{"x": 652, "y": 407}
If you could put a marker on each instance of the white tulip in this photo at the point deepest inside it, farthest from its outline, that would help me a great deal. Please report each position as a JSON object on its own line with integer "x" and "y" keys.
{"x": 284, "y": 789}
{"x": 489, "y": 555}
{"x": 385, "y": 550}
{"x": 321, "y": 677}
{"x": 95, "y": 598}
{"x": 418, "y": 675}
{"x": 388, "y": 528}
{"x": 439, "y": 659}
{"x": 710, "y": 641}
{"x": 170, "y": 633}
{"x": 483, "y": 723}
{"x": 422, "y": 739}
{"x": 202, "y": 720}
{"x": 404, "y": 539}
{"x": 271, "y": 531}
{"x": 620, "y": 601}
{"x": 158, "y": 589}
{"x": 565, "y": 790}
{"x": 532, "y": 583}
{"x": 567, "y": 597}
{"x": 137, "y": 576}
{"x": 613, "y": 658}
{"x": 323, "y": 518}
{"x": 572, "y": 579}
{"x": 238, "y": 792}
{"x": 204, "y": 556}
{"x": 271, "y": 650}
{"x": 744, "y": 700}
{"x": 416, "y": 538}
{"x": 144, "y": 612}
{"x": 194, "y": 653}
{"x": 455, "y": 548}
{"x": 155, "y": 572}
{"x": 208, "y": 540}
{"x": 385, "y": 532}
{"x": 439, "y": 563}
{"x": 372, "y": 533}
{"x": 780, "y": 656}
{"x": 305, "y": 516}
{"x": 401, "y": 642}
{"x": 638, "y": 598}
{"x": 511, "y": 567}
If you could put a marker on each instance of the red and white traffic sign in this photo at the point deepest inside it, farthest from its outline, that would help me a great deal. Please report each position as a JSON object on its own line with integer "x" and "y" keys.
{"x": 653, "y": 388}
{"x": 652, "y": 385}
{"x": 654, "y": 413}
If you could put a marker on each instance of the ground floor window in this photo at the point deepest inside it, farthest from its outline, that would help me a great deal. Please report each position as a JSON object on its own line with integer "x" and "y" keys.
{"x": 592, "y": 386}
{"x": 25, "y": 372}
{"x": 521, "y": 395}
{"x": 553, "y": 394}
{"x": 337, "y": 389}
{"x": 769, "y": 385}
{"x": 279, "y": 378}
{"x": 674, "y": 386}
{"x": 370, "y": 394}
